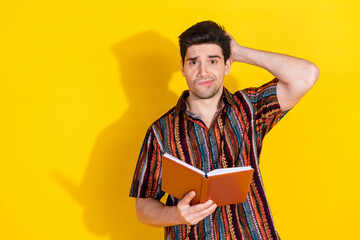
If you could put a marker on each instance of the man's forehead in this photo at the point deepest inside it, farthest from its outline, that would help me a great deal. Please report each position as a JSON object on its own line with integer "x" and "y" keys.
{"x": 204, "y": 50}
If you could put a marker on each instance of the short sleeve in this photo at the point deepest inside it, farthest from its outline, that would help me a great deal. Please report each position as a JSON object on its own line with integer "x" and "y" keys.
{"x": 147, "y": 177}
{"x": 267, "y": 111}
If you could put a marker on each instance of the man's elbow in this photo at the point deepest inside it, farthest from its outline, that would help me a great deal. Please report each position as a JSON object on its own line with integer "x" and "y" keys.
{"x": 313, "y": 73}
{"x": 148, "y": 210}
{"x": 139, "y": 205}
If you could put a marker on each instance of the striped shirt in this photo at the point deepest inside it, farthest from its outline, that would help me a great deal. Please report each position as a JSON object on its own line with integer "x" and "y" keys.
{"x": 233, "y": 139}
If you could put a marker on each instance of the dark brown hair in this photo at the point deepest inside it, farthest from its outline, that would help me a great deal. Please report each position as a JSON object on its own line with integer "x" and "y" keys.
{"x": 205, "y": 32}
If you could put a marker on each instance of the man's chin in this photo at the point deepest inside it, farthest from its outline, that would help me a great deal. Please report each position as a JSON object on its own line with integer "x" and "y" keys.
{"x": 205, "y": 94}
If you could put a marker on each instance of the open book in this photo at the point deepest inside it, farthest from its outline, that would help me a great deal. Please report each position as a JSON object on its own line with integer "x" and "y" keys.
{"x": 224, "y": 186}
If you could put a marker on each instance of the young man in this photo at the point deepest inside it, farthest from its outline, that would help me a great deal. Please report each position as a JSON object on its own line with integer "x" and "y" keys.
{"x": 211, "y": 128}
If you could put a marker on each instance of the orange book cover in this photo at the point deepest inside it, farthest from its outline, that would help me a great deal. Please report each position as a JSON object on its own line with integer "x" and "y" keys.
{"x": 224, "y": 186}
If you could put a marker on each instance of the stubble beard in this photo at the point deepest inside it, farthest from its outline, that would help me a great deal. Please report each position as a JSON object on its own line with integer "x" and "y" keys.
{"x": 206, "y": 92}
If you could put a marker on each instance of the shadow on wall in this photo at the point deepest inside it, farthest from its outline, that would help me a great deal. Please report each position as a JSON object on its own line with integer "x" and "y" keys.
{"x": 146, "y": 62}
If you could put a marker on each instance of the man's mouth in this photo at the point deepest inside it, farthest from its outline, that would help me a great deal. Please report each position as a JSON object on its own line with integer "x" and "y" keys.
{"x": 205, "y": 82}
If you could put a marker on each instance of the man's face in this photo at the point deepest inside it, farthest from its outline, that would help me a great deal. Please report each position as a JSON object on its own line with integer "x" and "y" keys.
{"x": 204, "y": 70}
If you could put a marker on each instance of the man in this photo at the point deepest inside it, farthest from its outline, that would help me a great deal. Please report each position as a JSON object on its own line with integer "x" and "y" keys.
{"x": 211, "y": 128}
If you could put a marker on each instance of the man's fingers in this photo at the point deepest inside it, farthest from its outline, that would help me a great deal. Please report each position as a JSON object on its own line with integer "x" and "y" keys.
{"x": 193, "y": 214}
{"x": 205, "y": 212}
{"x": 198, "y": 216}
{"x": 233, "y": 41}
{"x": 201, "y": 206}
{"x": 187, "y": 198}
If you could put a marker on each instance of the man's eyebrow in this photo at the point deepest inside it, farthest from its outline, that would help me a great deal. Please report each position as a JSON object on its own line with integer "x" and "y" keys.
{"x": 210, "y": 56}
{"x": 191, "y": 59}
{"x": 214, "y": 56}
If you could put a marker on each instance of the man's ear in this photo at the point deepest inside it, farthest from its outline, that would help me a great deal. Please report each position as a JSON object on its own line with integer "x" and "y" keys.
{"x": 227, "y": 67}
{"x": 182, "y": 68}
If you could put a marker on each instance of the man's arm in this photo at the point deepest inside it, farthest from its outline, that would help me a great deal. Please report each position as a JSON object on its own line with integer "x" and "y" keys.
{"x": 152, "y": 212}
{"x": 296, "y": 76}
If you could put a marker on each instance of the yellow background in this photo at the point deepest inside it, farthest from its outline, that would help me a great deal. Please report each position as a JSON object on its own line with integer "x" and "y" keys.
{"x": 81, "y": 81}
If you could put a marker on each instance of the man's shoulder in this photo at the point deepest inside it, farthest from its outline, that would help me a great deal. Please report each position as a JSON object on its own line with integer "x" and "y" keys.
{"x": 238, "y": 98}
{"x": 263, "y": 90}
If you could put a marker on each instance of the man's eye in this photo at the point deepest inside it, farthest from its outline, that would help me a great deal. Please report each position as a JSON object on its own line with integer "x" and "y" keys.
{"x": 213, "y": 61}
{"x": 192, "y": 62}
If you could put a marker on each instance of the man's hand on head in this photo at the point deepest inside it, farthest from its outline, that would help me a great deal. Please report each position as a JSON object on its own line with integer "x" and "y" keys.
{"x": 235, "y": 55}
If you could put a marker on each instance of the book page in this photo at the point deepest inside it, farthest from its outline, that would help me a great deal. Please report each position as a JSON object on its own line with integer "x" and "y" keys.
{"x": 227, "y": 170}
{"x": 184, "y": 163}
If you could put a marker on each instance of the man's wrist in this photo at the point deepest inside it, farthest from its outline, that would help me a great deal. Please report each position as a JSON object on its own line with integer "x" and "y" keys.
{"x": 239, "y": 54}
{"x": 246, "y": 55}
{"x": 172, "y": 212}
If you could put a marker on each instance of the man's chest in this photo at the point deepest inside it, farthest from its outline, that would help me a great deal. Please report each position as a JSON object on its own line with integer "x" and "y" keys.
{"x": 225, "y": 144}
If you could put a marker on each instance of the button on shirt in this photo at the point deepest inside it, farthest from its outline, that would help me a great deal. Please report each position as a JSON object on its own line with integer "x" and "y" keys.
{"x": 233, "y": 139}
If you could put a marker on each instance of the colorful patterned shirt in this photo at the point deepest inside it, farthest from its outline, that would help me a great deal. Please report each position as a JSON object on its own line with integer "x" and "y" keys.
{"x": 233, "y": 139}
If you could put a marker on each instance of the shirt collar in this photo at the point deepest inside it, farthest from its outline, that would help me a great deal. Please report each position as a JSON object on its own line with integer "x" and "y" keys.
{"x": 181, "y": 104}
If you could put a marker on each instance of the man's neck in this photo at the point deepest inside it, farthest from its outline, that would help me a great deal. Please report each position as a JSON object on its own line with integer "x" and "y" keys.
{"x": 205, "y": 108}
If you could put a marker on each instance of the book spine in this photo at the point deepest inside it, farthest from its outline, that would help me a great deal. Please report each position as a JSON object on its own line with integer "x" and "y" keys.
{"x": 204, "y": 189}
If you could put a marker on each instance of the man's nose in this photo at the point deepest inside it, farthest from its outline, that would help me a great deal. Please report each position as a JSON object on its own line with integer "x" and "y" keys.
{"x": 202, "y": 70}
